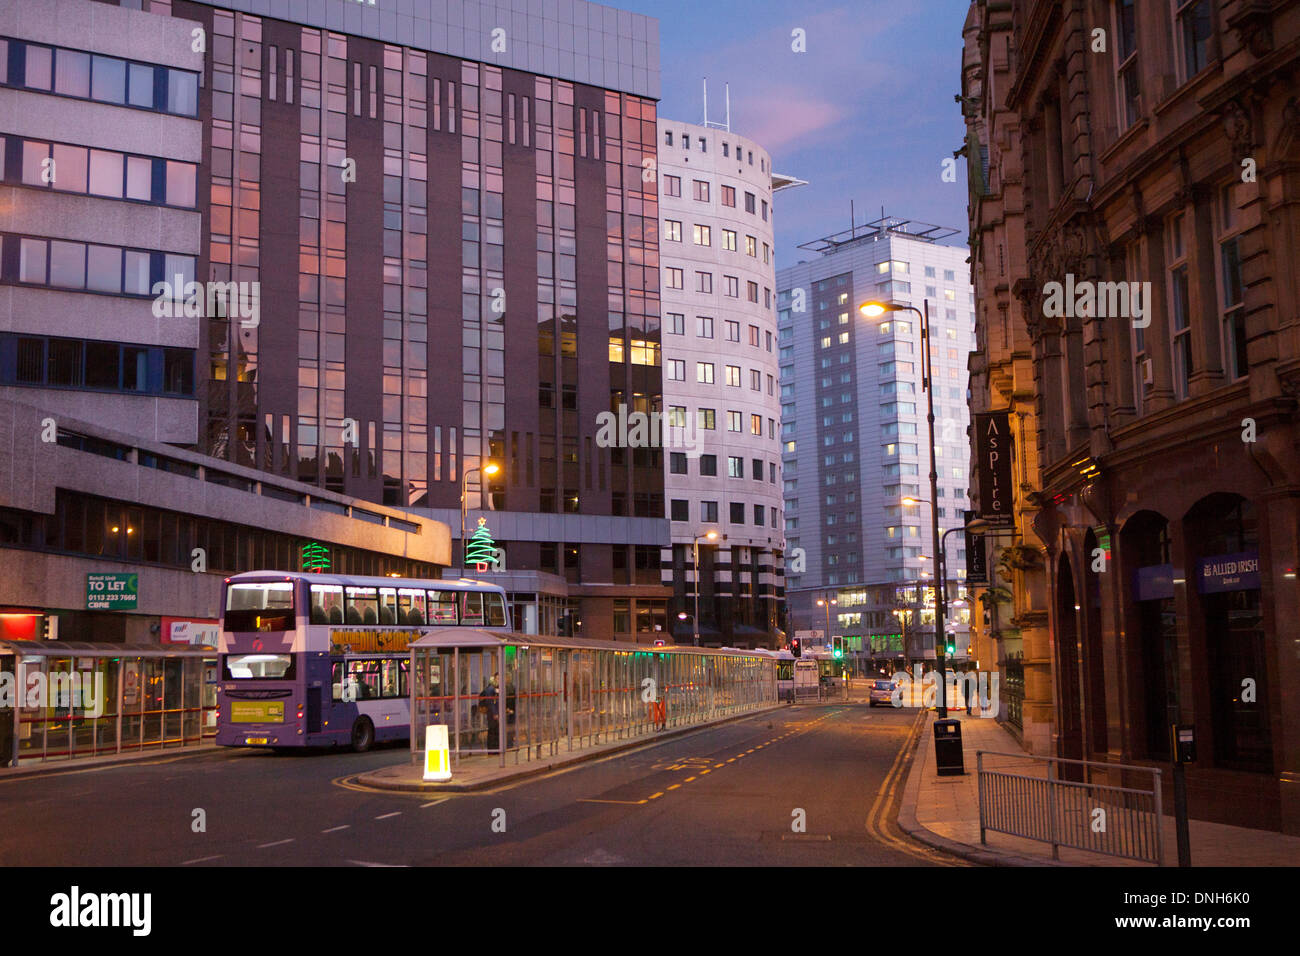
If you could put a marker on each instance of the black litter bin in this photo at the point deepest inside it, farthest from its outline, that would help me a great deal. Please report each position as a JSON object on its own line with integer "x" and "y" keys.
{"x": 947, "y": 748}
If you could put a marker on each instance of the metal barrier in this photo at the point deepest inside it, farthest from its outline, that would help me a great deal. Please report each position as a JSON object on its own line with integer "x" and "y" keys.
{"x": 1101, "y": 818}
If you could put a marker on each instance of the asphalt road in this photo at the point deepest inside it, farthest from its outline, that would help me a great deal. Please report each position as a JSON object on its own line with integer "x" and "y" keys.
{"x": 813, "y": 785}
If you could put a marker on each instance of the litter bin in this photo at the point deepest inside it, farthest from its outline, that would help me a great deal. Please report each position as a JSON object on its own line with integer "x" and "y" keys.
{"x": 947, "y": 748}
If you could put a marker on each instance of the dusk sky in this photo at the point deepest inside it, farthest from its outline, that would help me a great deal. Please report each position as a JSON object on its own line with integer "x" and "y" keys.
{"x": 867, "y": 113}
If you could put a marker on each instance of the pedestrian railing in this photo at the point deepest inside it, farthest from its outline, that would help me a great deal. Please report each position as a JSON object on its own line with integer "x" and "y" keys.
{"x": 1098, "y": 817}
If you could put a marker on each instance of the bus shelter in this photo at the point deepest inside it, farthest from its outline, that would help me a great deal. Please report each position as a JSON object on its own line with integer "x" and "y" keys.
{"x": 66, "y": 699}
{"x": 500, "y": 692}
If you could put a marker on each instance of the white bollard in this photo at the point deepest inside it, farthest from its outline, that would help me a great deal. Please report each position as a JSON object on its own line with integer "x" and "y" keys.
{"x": 437, "y": 759}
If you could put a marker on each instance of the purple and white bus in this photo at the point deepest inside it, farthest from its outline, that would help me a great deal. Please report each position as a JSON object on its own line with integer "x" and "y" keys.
{"x": 321, "y": 659}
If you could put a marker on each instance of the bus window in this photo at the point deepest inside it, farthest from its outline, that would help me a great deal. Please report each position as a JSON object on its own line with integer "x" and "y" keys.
{"x": 260, "y": 607}
{"x": 473, "y": 615}
{"x": 258, "y": 667}
{"x": 336, "y": 679}
{"x": 387, "y": 606}
{"x": 326, "y": 604}
{"x": 442, "y": 607}
{"x": 365, "y": 677}
{"x": 410, "y": 606}
{"x": 361, "y": 606}
{"x": 390, "y": 682}
{"x": 495, "y": 607}
{"x": 403, "y": 676}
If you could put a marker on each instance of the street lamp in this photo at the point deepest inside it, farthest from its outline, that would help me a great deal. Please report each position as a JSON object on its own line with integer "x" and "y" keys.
{"x": 975, "y": 526}
{"x": 488, "y": 468}
{"x": 710, "y": 536}
{"x": 871, "y": 310}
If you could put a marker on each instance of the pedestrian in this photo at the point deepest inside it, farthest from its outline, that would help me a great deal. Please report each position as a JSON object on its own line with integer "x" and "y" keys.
{"x": 491, "y": 707}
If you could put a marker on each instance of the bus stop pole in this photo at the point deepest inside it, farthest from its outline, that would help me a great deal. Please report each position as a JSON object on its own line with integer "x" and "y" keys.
{"x": 501, "y": 703}
{"x": 455, "y": 696}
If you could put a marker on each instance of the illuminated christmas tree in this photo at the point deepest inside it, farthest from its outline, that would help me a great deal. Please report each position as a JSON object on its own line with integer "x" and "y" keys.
{"x": 481, "y": 549}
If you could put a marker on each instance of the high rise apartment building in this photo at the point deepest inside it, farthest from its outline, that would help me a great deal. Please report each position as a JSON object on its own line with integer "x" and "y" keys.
{"x": 445, "y": 212}
{"x": 854, "y": 433}
{"x": 722, "y": 450}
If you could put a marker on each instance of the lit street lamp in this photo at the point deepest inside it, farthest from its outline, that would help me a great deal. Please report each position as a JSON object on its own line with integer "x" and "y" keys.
{"x": 489, "y": 468}
{"x": 695, "y": 622}
{"x": 872, "y": 310}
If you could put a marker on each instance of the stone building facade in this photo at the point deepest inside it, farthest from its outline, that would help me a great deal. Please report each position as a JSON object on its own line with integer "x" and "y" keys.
{"x": 1149, "y": 258}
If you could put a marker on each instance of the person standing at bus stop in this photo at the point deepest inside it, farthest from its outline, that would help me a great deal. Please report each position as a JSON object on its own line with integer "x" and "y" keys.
{"x": 491, "y": 707}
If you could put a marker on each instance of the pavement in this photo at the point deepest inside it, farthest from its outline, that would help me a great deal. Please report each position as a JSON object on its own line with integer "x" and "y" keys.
{"x": 943, "y": 812}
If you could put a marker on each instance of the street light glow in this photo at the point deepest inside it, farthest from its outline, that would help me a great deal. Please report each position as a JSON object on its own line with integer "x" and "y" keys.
{"x": 491, "y": 468}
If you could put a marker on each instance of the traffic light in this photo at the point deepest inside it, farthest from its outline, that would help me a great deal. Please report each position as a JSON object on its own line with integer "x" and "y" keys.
{"x": 796, "y": 647}
{"x": 837, "y": 648}
{"x": 950, "y": 647}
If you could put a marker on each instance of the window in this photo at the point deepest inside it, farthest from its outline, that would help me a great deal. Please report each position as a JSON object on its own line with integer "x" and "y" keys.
{"x": 707, "y": 419}
{"x": 700, "y": 190}
{"x": 676, "y": 323}
{"x": 677, "y": 418}
{"x": 733, "y": 421}
{"x": 756, "y": 425}
{"x": 751, "y": 290}
{"x": 733, "y": 330}
{"x": 1192, "y": 18}
{"x": 672, "y": 277}
{"x": 680, "y": 509}
{"x": 733, "y": 287}
{"x": 949, "y": 275}
{"x": 672, "y": 185}
{"x": 1232, "y": 292}
{"x": 704, "y": 326}
{"x": 709, "y": 511}
{"x": 1126, "y": 61}
{"x": 702, "y": 235}
{"x": 760, "y": 515}
{"x": 709, "y": 466}
{"x": 756, "y": 469}
{"x": 672, "y": 230}
{"x": 676, "y": 370}
{"x": 751, "y": 246}
{"x": 733, "y": 376}
{"x": 764, "y": 205}
{"x": 728, "y": 192}
{"x": 735, "y": 467}
{"x": 755, "y": 380}
{"x": 737, "y": 512}
{"x": 1180, "y": 310}
{"x": 729, "y": 240}
{"x": 668, "y": 137}
{"x": 704, "y": 372}
{"x": 749, "y": 202}
{"x": 929, "y": 272}
{"x": 704, "y": 282}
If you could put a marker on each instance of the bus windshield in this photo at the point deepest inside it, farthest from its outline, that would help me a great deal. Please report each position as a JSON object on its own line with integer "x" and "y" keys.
{"x": 264, "y": 606}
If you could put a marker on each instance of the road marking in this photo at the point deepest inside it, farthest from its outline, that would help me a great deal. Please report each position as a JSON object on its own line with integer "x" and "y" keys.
{"x": 345, "y": 826}
{"x": 688, "y": 780}
{"x": 627, "y": 803}
{"x": 263, "y": 846}
{"x": 385, "y": 816}
{"x": 391, "y": 865}
{"x": 674, "y": 786}
{"x": 656, "y": 796}
{"x": 731, "y": 760}
{"x": 434, "y": 803}
{"x": 202, "y": 859}
{"x": 703, "y": 772}
{"x": 717, "y": 766}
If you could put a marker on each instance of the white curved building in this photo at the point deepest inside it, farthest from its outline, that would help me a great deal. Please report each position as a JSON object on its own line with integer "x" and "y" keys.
{"x": 721, "y": 394}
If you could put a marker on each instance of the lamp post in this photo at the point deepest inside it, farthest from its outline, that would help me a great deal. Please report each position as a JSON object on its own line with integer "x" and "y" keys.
{"x": 871, "y": 310}
{"x": 489, "y": 468}
{"x": 695, "y": 621}
{"x": 975, "y": 526}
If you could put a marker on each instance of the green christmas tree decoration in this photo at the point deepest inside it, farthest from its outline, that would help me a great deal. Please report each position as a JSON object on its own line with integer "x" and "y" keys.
{"x": 315, "y": 557}
{"x": 481, "y": 549}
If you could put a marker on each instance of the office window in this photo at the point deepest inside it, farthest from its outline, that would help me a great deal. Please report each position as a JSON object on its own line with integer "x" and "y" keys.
{"x": 749, "y": 202}
{"x": 1232, "y": 310}
{"x": 735, "y": 467}
{"x": 676, "y": 370}
{"x": 1193, "y": 31}
{"x": 673, "y": 277}
{"x": 751, "y": 289}
{"x": 707, "y": 419}
{"x": 1180, "y": 329}
{"x": 733, "y": 422}
{"x": 672, "y": 185}
{"x": 755, "y": 380}
{"x": 676, "y": 323}
{"x": 1126, "y": 62}
{"x": 704, "y": 282}
{"x": 681, "y": 509}
{"x": 704, "y": 372}
{"x": 949, "y": 275}
{"x": 677, "y": 463}
{"x": 702, "y": 235}
{"x": 728, "y": 192}
{"x": 753, "y": 336}
{"x": 729, "y": 240}
{"x": 709, "y": 466}
{"x": 700, "y": 190}
{"x": 751, "y": 246}
{"x": 668, "y": 137}
{"x": 737, "y": 512}
{"x": 733, "y": 376}
{"x": 704, "y": 326}
{"x": 756, "y": 425}
{"x": 677, "y": 417}
{"x": 709, "y": 511}
{"x": 672, "y": 230}
{"x": 760, "y": 515}
{"x": 733, "y": 287}
{"x": 733, "y": 331}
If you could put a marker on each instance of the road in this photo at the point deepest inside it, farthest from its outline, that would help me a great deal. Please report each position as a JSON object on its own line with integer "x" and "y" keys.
{"x": 815, "y": 784}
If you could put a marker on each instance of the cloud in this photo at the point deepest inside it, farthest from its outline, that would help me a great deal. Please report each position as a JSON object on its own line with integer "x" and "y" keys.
{"x": 789, "y": 118}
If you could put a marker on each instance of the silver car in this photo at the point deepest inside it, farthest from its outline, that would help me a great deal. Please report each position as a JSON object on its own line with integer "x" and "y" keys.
{"x": 882, "y": 691}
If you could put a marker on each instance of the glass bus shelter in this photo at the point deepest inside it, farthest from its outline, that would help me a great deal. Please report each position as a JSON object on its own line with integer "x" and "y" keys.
{"x": 65, "y": 699}
{"x": 501, "y": 692}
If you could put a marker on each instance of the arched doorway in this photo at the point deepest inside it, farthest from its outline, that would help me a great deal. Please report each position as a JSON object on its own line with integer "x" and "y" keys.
{"x": 1224, "y": 603}
{"x": 1070, "y": 703}
{"x": 1095, "y": 555}
{"x": 1152, "y": 624}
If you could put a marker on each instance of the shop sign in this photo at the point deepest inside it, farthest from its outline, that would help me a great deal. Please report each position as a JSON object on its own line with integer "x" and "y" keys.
{"x": 112, "y": 592}
{"x": 977, "y": 568}
{"x": 1228, "y": 572}
{"x": 993, "y": 466}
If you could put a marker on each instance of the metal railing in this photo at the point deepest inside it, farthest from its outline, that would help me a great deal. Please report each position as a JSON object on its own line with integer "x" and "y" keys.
{"x": 1100, "y": 818}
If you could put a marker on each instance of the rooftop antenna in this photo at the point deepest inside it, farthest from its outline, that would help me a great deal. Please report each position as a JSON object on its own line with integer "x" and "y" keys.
{"x": 706, "y": 102}
{"x": 707, "y": 123}
{"x": 853, "y": 222}
{"x": 727, "y": 89}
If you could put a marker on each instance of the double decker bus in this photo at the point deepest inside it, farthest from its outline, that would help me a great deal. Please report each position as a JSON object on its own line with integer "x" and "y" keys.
{"x": 310, "y": 660}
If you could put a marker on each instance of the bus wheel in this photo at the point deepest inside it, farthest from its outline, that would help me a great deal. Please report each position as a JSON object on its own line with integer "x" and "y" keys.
{"x": 363, "y": 735}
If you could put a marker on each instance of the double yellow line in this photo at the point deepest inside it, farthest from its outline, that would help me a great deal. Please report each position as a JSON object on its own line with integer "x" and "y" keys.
{"x": 878, "y": 815}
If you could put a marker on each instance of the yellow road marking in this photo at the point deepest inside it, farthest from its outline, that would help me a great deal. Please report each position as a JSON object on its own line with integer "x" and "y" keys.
{"x": 688, "y": 779}
{"x": 674, "y": 786}
{"x": 656, "y": 796}
{"x": 632, "y": 803}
